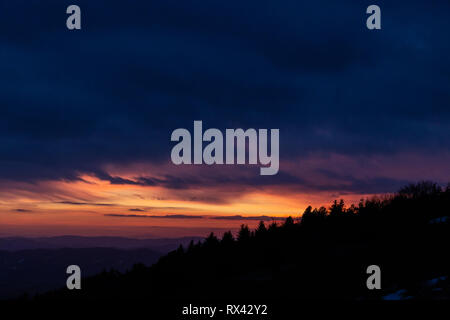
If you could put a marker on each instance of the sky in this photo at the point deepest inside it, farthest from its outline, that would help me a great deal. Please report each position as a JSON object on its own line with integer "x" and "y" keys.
{"x": 86, "y": 116}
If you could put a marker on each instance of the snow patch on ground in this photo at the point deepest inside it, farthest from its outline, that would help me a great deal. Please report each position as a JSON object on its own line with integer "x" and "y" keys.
{"x": 397, "y": 295}
{"x": 435, "y": 281}
{"x": 439, "y": 220}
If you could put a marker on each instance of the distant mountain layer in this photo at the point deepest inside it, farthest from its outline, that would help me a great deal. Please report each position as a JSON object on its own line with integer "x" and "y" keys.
{"x": 36, "y": 265}
{"x": 160, "y": 245}
{"x": 39, "y": 270}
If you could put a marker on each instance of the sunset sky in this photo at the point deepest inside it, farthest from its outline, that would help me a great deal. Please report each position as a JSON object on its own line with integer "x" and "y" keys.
{"x": 86, "y": 116}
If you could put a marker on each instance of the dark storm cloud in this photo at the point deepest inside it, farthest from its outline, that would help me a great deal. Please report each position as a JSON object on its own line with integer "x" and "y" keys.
{"x": 347, "y": 183}
{"x": 72, "y": 102}
{"x": 209, "y": 178}
{"x": 350, "y": 184}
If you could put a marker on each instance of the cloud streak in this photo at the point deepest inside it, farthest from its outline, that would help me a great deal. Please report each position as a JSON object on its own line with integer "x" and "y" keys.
{"x": 23, "y": 210}
{"x": 173, "y": 216}
{"x": 182, "y": 216}
{"x": 251, "y": 218}
{"x": 74, "y": 203}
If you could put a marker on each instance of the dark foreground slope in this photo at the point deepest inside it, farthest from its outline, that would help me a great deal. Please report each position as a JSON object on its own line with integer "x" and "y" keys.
{"x": 325, "y": 255}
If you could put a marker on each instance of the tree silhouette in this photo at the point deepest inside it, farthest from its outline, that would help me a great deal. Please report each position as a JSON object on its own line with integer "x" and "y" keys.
{"x": 261, "y": 230}
{"x": 243, "y": 234}
{"x": 227, "y": 238}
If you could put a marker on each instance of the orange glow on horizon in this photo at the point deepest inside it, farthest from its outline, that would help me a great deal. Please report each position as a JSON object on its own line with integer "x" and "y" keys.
{"x": 99, "y": 204}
